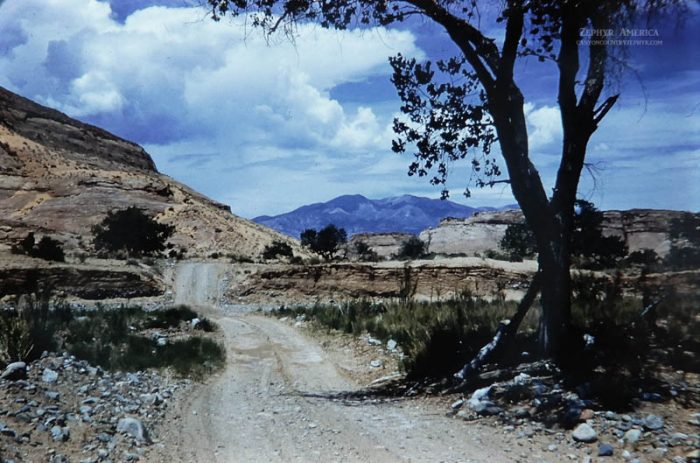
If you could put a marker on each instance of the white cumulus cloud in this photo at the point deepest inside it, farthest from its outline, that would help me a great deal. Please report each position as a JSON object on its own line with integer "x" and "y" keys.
{"x": 172, "y": 79}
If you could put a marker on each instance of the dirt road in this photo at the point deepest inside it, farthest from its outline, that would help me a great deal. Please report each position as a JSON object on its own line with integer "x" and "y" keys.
{"x": 275, "y": 402}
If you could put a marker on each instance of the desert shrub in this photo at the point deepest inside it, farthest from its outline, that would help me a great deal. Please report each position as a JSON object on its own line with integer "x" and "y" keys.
{"x": 325, "y": 242}
{"x": 365, "y": 253}
{"x": 108, "y": 338}
{"x": 47, "y": 248}
{"x": 277, "y": 249}
{"x": 646, "y": 258}
{"x": 206, "y": 325}
{"x": 132, "y": 231}
{"x": 436, "y": 337}
{"x": 15, "y": 339}
{"x": 412, "y": 248}
{"x": 496, "y": 255}
{"x": 31, "y": 328}
{"x": 50, "y": 249}
{"x": 168, "y": 318}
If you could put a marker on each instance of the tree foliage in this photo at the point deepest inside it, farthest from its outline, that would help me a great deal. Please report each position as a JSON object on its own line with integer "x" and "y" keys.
{"x": 132, "y": 231}
{"x": 412, "y": 248}
{"x": 589, "y": 246}
{"x": 593, "y": 249}
{"x": 325, "y": 242}
{"x": 457, "y": 108}
{"x": 47, "y": 248}
{"x": 277, "y": 249}
{"x": 365, "y": 253}
{"x": 685, "y": 242}
{"x": 519, "y": 242}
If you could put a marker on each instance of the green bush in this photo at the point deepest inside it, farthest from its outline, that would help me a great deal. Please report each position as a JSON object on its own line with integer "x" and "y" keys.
{"x": 436, "y": 337}
{"x": 107, "y": 338}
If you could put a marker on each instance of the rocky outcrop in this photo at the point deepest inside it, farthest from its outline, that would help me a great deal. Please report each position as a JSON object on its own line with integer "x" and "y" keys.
{"x": 640, "y": 228}
{"x": 384, "y": 244}
{"x": 472, "y": 236}
{"x": 59, "y": 177}
{"x": 81, "y": 281}
{"x": 422, "y": 280}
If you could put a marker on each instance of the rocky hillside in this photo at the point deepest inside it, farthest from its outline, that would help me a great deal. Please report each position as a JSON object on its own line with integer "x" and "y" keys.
{"x": 59, "y": 177}
{"x": 357, "y": 214}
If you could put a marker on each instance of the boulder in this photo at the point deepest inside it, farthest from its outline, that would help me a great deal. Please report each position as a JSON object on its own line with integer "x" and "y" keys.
{"x": 14, "y": 371}
{"x": 585, "y": 433}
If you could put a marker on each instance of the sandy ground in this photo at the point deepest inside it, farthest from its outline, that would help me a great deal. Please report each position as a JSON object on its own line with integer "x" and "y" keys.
{"x": 279, "y": 399}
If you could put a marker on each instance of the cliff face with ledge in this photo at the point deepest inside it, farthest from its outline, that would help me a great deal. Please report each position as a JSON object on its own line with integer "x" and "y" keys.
{"x": 640, "y": 228}
{"x": 59, "y": 177}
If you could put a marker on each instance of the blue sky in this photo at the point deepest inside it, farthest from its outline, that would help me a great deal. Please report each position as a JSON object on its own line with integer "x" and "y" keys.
{"x": 269, "y": 125}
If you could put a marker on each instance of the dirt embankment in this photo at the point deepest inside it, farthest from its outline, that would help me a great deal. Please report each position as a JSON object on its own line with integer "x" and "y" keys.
{"x": 422, "y": 280}
{"x": 91, "y": 281}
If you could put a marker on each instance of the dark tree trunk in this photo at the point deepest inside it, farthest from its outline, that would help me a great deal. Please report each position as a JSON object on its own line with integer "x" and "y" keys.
{"x": 555, "y": 299}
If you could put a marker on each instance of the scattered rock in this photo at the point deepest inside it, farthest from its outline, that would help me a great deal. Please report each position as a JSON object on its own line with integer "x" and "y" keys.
{"x": 585, "y": 433}
{"x": 486, "y": 408}
{"x": 133, "y": 427}
{"x": 586, "y": 415}
{"x": 376, "y": 363}
{"x": 632, "y": 436}
{"x": 49, "y": 376}
{"x": 5, "y": 431}
{"x": 391, "y": 345}
{"x": 60, "y": 434}
{"x": 605, "y": 450}
{"x": 694, "y": 419}
{"x": 653, "y": 423}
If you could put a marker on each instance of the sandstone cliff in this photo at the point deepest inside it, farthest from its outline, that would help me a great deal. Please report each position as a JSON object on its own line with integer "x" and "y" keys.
{"x": 640, "y": 228}
{"x": 59, "y": 177}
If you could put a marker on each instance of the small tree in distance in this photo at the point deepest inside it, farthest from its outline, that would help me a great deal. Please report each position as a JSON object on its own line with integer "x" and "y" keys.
{"x": 325, "y": 242}
{"x": 365, "y": 253}
{"x": 132, "y": 231}
{"x": 47, "y": 248}
{"x": 277, "y": 249}
{"x": 412, "y": 248}
{"x": 590, "y": 248}
{"x": 519, "y": 242}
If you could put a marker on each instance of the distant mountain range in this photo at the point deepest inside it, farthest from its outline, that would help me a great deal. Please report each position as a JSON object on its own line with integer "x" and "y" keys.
{"x": 357, "y": 214}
